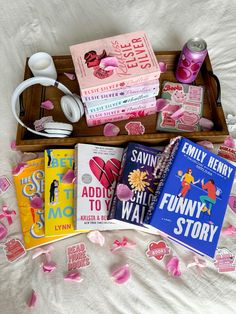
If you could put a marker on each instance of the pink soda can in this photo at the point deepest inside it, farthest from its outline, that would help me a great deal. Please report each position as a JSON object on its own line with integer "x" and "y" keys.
{"x": 191, "y": 60}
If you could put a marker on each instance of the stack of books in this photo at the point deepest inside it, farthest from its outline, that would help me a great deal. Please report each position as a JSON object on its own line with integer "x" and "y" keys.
{"x": 127, "y": 90}
{"x": 181, "y": 192}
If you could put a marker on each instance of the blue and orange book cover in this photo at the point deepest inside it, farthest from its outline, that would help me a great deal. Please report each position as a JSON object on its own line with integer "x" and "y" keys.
{"x": 190, "y": 206}
{"x": 59, "y": 196}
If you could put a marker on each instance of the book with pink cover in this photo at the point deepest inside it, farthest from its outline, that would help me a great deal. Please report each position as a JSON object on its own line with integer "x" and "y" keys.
{"x": 136, "y": 62}
{"x": 97, "y": 168}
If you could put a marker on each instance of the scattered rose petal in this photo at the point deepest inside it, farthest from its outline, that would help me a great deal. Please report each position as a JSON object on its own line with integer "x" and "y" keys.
{"x": 18, "y": 168}
{"x": 206, "y": 144}
{"x": 73, "y": 276}
{"x": 177, "y": 114}
{"x": 229, "y": 142}
{"x": 69, "y": 176}
{"x": 206, "y": 124}
{"x": 163, "y": 67}
{"x": 135, "y": 128}
{"x": 28, "y": 156}
{"x": 173, "y": 267}
{"x": 109, "y": 63}
{"x": 49, "y": 266}
{"x": 96, "y": 237}
{"x": 71, "y": 76}
{"x": 111, "y": 129}
{"x": 3, "y": 231}
{"x": 40, "y": 251}
{"x": 121, "y": 274}
{"x": 232, "y": 203}
{"x": 161, "y": 103}
{"x": 36, "y": 202}
{"x": 32, "y": 300}
{"x": 13, "y": 145}
{"x": 47, "y": 104}
{"x": 123, "y": 192}
{"x": 229, "y": 231}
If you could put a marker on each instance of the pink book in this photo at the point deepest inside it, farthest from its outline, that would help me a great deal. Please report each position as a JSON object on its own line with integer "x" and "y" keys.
{"x": 146, "y": 87}
{"x": 120, "y": 117}
{"x": 136, "y": 106}
{"x": 136, "y": 62}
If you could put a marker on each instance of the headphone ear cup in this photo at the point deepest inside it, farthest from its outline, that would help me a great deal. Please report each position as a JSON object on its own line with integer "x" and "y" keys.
{"x": 72, "y": 107}
{"x": 58, "y": 129}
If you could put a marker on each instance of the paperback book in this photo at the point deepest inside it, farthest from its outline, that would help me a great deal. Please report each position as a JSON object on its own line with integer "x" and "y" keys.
{"x": 97, "y": 168}
{"x": 181, "y": 96}
{"x": 190, "y": 203}
{"x": 29, "y": 183}
{"x": 59, "y": 196}
{"x": 136, "y": 63}
{"x": 137, "y": 176}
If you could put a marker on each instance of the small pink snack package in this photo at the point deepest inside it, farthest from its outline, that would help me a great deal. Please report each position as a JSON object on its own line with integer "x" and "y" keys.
{"x": 121, "y": 274}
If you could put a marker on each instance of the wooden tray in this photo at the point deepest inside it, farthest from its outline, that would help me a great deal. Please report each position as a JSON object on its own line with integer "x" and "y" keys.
{"x": 33, "y": 96}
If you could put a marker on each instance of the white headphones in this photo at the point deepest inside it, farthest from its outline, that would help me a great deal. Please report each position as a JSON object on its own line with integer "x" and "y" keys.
{"x": 70, "y": 103}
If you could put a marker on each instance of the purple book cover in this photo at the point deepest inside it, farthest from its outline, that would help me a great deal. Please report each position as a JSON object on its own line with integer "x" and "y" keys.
{"x": 137, "y": 168}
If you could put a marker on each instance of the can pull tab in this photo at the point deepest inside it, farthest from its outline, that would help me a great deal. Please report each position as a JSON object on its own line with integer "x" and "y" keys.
{"x": 218, "y": 95}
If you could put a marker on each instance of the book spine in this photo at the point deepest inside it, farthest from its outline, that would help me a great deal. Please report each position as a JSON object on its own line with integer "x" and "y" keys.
{"x": 162, "y": 171}
{"x": 120, "y": 117}
{"x": 118, "y": 103}
{"x": 125, "y": 92}
{"x": 112, "y": 212}
{"x": 75, "y": 187}
{"x": 123, "y": 109}
{"x": 121, "y": 83}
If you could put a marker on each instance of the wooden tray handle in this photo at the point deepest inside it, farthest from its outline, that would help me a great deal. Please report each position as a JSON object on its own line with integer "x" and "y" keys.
{"x": 218, "y": 96}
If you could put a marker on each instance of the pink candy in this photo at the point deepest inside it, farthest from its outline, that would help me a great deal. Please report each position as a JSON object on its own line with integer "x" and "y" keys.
{"x": 229, "y": 231}
{"x": 121, "y": 274}
{"x": 123, "y": 192}
{"x": 229, "y": 142}
{"x": 111, "y": 129}
{"x": 47, "y": 104}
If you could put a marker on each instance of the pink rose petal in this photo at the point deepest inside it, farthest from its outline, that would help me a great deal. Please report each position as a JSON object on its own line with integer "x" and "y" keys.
{"x": 32, "y": 300}
{"x": 18, "y": 168}
{"x": 36, "y": 202}
{"x": 96, "y": 237}
{"x": 161, "y": 103}
{"x": 47, "y": 104}
{"x": 28, "y": 156}
{"x": 123, "y": 192}
{"x": 163, "y": 67}
{"x": 13, "y": 145}
{"x": 69, "y": 176}
{"x": 70, "y": 76}
{"x": 177, "y": 114}
{"x": 206, "y": 124}
{"x": 111, "y": 129}
{"x": 229, "y": 141}
{"x": 232, "y": 203}
{"x": 49, "y": 266}
{"x": 121, "y": 274}
{"x": 229, "y": 231}
{"x": 206, "y": 144}
{"x": 109, "y": 63}
{"x": 73, "y": 276}
{"x": 173, "y": 267}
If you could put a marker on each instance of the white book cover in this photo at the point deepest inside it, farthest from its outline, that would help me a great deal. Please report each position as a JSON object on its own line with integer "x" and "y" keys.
{"x": 97, "y": 169}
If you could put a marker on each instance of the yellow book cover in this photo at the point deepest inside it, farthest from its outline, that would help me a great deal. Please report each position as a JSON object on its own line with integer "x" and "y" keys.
{"x": 59, "y": 196}
{"x": 29, "y": 183}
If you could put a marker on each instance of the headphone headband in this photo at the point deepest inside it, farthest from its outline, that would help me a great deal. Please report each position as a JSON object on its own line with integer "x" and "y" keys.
{"x": 46, "y": 81}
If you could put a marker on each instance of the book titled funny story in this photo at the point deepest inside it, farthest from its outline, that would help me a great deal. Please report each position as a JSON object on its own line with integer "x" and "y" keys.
{"x": 190, "y": 203}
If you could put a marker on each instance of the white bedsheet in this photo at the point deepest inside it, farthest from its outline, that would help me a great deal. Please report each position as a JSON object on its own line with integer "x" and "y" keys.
{"x": 28, "y": 26}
